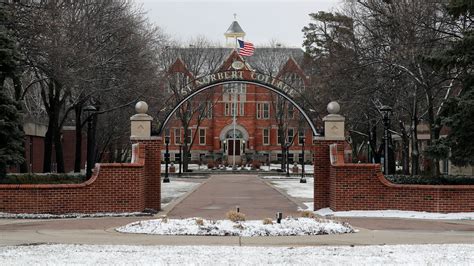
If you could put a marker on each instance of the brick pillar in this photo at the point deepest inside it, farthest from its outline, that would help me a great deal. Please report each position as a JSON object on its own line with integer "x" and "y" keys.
{"x": 141, "y": 133}
{"x": 322, "y": 166}
{"x": 152, "y": 171}
{"x": 333, "y": 133}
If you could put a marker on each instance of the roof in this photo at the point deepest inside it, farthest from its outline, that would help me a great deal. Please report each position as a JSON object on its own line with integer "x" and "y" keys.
{"x": 266, "y": 60}
{"x": 234, "y": 30}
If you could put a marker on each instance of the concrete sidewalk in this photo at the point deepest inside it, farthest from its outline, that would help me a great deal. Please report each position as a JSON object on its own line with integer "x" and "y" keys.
{"x": 101, "y": 231}
{"x": 221, "y": 193}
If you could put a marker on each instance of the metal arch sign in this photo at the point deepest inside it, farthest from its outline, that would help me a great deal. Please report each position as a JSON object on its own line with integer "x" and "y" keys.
{"x": 237, "y": 76}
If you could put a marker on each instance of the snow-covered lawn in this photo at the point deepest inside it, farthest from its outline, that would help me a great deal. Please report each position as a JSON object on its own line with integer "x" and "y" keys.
{"x": 197, "y": 226}
{"x": 175, "y": 189}
{"x": 233, "y": 255}
{"x": 296, "y": 189}
{"x": 396, "y": 214}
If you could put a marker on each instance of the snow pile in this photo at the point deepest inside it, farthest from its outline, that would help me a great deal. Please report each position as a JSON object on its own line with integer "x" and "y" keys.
{"x": 197, "y": 226}
{"x": 4, "y": 215}
{"x": 296, "y": 189}
{"x": 396, "y": 214}
{"x": 452, "y": 254}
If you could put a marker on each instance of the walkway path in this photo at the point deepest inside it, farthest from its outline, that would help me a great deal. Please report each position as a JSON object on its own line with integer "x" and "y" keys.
{"x": 221, "y": 193}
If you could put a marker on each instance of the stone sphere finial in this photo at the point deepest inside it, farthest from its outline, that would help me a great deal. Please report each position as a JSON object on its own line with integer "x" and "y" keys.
{"x": 333, "y": 108}
{"x": 141, "y": 107}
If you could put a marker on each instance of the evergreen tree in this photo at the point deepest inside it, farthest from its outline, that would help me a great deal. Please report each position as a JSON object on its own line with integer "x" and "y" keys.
{"x": 11, "y": 135}
{"x": 458, "y": 113}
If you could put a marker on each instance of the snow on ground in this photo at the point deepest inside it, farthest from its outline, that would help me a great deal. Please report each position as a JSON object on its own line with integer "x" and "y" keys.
{"x": 451, "y": 254}
{"x": 308, "y": 168}
{"x": 175, "y": 189}
{"x": 4, "y": 215}
{"x": 296, "y": 189}
{"x": 396, "y": 214}
{"x": 197, "y": 226}
{"x": 285, "y": 177}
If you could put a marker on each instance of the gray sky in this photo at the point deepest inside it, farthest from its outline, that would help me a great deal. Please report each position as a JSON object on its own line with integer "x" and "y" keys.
{"x": 262, "y": 20}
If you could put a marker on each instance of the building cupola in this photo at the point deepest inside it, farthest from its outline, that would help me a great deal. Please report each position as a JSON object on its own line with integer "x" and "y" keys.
{"x": 233, "y": 32}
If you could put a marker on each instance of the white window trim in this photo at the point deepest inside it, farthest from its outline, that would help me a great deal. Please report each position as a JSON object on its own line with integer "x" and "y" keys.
{"x": 288, "y": 134}
{"x": 263, "y": 136}
{"x": 190, "y": 135}
{"x": 179, "y": 132}
{"x": 205, "y": 139}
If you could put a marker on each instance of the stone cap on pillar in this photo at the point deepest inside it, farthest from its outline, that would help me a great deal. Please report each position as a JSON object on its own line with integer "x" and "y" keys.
{"x": 334, "y": 123}
{"x": 141, "y": 122}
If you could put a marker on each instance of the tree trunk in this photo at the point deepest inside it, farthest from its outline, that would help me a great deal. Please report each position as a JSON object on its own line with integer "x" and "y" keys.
{"x": 78, "y": 149}
{"x": 405, "y": 150}
{"x": 58, "y": 148}
{"x": 434, "y": 169}
{"x": 48, "y": 148}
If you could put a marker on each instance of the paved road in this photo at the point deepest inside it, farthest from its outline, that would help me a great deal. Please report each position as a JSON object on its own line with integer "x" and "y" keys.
{"x": 221, "y": 193}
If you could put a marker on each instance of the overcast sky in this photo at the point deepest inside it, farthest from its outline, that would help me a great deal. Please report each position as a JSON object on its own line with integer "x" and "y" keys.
{"x": 262, "y": 20}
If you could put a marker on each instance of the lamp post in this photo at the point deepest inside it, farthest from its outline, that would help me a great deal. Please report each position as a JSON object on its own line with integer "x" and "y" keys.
{"x": 167, "y": 159}
{"x": 90, "y": 111}
{"x": 386, "y": 111}
{"x": 302, "y": 179}
{"x": 287, "y": 159}
{"x": 180, "y": 157}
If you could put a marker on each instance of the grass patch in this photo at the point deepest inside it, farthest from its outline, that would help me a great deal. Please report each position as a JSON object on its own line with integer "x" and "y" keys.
{"x": 33, "y": 178}
{"x": 427, "y": 180}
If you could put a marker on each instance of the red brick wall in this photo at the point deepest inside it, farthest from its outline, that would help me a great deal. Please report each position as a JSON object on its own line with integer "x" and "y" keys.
{"x": 321, "y": 172}
{"x": 114, "y": 187}
{"x": 363, "y": 187}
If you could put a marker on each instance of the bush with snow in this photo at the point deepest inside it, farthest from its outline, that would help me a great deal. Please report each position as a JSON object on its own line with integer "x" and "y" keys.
{"x": 288, "y": 227}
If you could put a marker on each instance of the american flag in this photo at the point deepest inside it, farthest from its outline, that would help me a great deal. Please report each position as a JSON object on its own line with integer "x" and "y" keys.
{"x": 246, "y": 48}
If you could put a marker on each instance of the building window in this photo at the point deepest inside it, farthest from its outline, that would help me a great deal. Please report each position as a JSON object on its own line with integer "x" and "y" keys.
{"x": 300, "y": 158}
{"x": 291, "y": 157}
{"x": 242, "y": 108}
{"x": 209, "y": 110}
{"x": 202, "y": 136}
{"x": 279, "y": 157}
{"x": 263, "y": 110}
{"x": 279, "y": 137}
{"x": 291, "y": 111}
{"x": 189, "y": 138}
{"x": 290, "y": 135}
{"x": 177, "y": 136}
{"x": 227, "y": 109}
{"x": 177, "y": 157}
{"x": 300, "y": 137}
{"x": 266, "y": 136}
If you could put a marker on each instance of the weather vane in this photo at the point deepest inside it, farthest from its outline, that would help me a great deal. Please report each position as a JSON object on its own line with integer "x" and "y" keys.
{"x": 235, "y": 16}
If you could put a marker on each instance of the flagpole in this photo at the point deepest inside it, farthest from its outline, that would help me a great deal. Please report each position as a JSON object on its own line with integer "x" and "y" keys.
{"x": 234, "y": 122}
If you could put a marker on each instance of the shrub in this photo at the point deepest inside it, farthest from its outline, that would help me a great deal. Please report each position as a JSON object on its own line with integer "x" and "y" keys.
{"x": 428, "y": 180}
{"x": 256, "y": 165}
{"x": 308, "y": 214}
{"x": 199, "y": 221}
{"x": 267, "y": 221}
{"x": 210, "y": 165}
{"x": 32, "y": 178}
{"x": 235, "y": 216}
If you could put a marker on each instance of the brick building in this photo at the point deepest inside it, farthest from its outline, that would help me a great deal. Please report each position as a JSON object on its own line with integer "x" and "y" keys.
{"x": 260, "y": 114}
